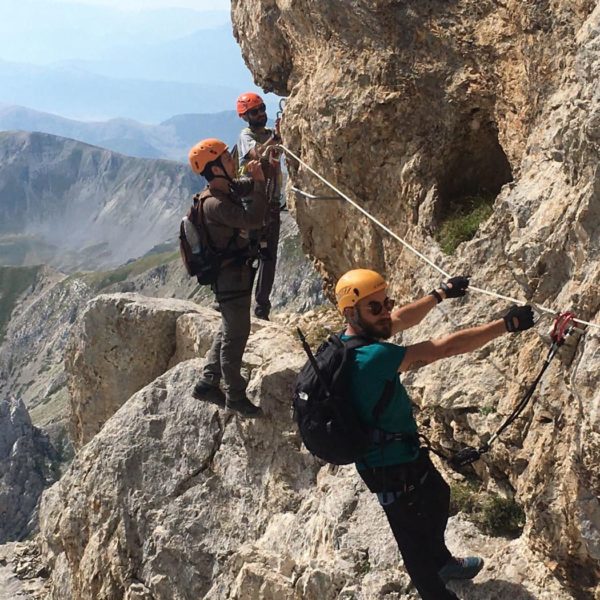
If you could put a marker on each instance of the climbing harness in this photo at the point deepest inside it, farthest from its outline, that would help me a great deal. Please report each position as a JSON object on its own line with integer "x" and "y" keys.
{"x": 563, "y": 326}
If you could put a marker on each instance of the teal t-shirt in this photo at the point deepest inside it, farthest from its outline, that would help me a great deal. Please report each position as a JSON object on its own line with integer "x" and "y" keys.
{"x": 373, "y": 366}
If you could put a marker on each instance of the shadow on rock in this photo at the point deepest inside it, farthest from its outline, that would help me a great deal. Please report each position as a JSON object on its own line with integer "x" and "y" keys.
{"x": 494, "y": 589}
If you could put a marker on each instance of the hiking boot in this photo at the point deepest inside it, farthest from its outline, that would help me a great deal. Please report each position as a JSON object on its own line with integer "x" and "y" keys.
{"x": 262, "y": 312}
{"x": 461, "y": 568}
{"x": 209, "y": 393}
{"x": 244, "y": 407}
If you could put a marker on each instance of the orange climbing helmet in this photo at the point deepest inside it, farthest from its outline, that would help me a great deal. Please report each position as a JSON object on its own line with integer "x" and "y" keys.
{"x": 356, "y": 285}
{"x": 204, "y": 152}
{"x": 247, "y": 101}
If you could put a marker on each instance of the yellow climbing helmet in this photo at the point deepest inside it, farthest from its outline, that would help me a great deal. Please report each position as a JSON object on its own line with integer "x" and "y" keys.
{"x": 356, "y": 285}
{"x": 204, "y": 152}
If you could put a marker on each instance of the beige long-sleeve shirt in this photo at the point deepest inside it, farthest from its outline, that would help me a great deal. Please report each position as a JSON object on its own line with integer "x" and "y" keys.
{"x": 225, "y": 212}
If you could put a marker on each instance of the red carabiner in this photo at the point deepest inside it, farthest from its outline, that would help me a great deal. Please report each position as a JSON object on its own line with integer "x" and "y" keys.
{"x": 563, "y": 324}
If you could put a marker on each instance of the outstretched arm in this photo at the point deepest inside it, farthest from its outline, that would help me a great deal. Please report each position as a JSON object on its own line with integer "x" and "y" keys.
{"x": 412, "y": 314}
{"x": 516, "y": 319}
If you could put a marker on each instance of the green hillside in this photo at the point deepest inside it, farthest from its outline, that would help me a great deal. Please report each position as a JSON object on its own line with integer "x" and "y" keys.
{"x": 99, "y": 280}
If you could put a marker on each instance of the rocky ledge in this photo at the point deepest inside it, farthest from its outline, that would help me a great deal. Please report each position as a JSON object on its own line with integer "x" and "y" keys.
{"x": 177, "y": 499}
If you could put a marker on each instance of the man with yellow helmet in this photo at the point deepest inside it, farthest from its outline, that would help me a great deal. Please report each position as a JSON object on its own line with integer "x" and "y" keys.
{"x": 413, "y": 494}
{"x": 227, "y": 221}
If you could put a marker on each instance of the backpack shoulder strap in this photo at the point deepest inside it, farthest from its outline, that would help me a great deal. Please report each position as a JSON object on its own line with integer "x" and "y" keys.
{"x": 355, "y": 341}
{"x": 199, "y": 200}
{"x": 390, "y": 385}
{"x": 194, "y": 212}
{"x": 347, "y": 346}
{"x": 384, "y": 401}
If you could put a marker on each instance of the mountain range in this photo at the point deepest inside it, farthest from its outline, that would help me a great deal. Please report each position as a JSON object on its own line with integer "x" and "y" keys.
{"x": 79, "y": 94}
{"x": 73, "y": 205}
{"x": 170, "y": 139}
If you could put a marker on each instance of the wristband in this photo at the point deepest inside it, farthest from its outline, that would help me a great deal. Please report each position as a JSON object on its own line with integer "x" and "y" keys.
{"x": 436, "y": 295}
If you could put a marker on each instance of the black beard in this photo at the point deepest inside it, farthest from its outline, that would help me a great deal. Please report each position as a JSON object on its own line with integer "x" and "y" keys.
{"x": 382, "y": 330}
{"x": 258, "y": 122}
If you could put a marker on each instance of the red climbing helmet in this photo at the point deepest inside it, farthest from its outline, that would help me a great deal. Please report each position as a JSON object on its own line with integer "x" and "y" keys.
{"x": 247, "y": 101}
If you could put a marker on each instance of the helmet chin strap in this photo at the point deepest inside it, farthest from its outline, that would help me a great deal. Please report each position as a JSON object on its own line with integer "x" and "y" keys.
{"x": 225, "y": 175}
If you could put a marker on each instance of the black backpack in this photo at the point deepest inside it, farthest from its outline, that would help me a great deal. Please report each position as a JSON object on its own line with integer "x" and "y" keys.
{"x": 326, "y": 418}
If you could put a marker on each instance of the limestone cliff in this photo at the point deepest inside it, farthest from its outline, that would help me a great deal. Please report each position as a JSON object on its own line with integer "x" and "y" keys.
{"x": 413, "y": 107}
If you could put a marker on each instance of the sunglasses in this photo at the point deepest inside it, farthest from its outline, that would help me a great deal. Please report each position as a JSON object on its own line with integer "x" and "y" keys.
{"x": 253, "y": 112}
{"x": 376, "y": 307}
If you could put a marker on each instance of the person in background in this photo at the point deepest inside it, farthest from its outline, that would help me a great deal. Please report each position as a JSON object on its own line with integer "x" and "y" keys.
{"x": 254, "y": 140}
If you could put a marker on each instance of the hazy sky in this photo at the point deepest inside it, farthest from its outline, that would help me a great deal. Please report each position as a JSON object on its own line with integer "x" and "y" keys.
{"x": 147, "y": 4}
{"x": 77, "y": 58}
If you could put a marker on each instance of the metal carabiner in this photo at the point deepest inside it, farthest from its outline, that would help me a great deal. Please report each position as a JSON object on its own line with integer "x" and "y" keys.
{"x": 563, "y": 326}
{"x": 282, "y": 102}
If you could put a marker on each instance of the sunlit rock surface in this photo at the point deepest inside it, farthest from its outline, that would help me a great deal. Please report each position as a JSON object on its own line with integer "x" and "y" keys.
{"x": 176, "y": 499}
{"x": 411, "y": 108}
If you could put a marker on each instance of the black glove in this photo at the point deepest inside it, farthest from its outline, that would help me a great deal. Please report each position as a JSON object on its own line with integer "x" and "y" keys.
{"x": 523, "y": 315}
{"x": 464, "y": 457}
{"x": 458, "y": 289}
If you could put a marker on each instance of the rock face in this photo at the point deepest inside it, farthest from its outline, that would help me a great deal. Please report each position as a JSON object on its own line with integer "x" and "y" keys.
{"x": 175, "y": 499}
{"x": 26, "y": 469}
{"x": 414, "y": 107}
{"x": 32, "y": 351}
{"x": 122, "y": 343}
{"x": 21, "y": 573}
{"x": 112, "y": 356}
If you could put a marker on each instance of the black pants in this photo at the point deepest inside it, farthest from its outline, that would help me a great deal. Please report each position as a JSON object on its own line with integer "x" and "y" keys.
{"x": 418, "y": 523}
{"x": 266, "y": 268}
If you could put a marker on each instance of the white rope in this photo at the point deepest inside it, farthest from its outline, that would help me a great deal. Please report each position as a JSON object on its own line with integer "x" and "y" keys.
{"x": 312, "y": 196}
{"x": 412, "y": 248}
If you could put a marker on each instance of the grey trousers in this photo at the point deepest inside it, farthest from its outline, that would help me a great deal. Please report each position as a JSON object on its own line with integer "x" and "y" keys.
{"x": 266, "y": 268}
{"x": 233, "y": 292}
